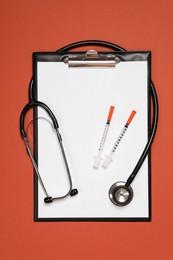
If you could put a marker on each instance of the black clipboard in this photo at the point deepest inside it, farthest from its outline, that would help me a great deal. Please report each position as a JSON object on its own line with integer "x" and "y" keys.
{"x": 59, "y": 58}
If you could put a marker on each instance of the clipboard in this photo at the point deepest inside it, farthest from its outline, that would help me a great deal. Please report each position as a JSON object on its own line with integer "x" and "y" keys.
{"x": 80, "y": 96}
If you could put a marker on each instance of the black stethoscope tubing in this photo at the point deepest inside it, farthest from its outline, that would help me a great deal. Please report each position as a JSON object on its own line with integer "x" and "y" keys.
{"x": 114, "y": 47}
{"x": 153, "y": 94}
{"x": 28, "y": 106}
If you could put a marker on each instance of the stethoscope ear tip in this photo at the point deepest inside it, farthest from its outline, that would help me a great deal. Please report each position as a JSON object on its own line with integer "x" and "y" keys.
{"x": 120, "y": 194}
{"x": 73, "y": 192}
{"x": 48, "y": 199}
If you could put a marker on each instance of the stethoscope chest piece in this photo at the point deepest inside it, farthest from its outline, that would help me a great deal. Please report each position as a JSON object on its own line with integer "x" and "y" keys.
{"x": 119, "y": 194}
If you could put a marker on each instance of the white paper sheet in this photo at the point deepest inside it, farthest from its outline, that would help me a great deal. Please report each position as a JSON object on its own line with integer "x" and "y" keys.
{"x": 80, "y": 99}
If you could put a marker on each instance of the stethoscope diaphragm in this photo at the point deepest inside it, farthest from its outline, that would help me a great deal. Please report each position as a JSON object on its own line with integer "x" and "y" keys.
{"x": 119, "y": 194}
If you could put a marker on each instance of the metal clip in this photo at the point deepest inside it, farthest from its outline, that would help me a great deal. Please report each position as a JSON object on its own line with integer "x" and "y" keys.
{"x": 92, "y": 59}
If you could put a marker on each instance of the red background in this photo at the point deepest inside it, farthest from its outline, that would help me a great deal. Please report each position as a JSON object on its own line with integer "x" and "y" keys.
{"x": 34, "y": 25}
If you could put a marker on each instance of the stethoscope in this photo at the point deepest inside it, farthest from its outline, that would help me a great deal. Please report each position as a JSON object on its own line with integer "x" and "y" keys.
{"x": 120, "y": 193}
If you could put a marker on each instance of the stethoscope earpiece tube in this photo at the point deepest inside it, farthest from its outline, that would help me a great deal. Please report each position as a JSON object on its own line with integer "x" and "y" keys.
{"x": 71, "y": 192}
{"x": 28, "y": 107}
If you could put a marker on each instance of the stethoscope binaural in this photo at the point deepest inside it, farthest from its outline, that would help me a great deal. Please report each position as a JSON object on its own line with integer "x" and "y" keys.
{"x": 30, "y": 105}
{"x": 120, "y": 193}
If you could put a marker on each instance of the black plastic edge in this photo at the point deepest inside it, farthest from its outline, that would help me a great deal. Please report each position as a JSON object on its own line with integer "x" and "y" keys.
{"x": 35, "y": 131}
{"x": 149, "y": 132}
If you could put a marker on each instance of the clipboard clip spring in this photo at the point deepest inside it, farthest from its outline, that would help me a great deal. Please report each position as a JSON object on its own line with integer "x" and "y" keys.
{"x": 92, "y": 59}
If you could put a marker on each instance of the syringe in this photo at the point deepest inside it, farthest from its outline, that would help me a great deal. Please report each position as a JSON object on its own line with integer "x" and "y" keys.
{"x": 98, "y": 158}
{"x": 108, "y": 158}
